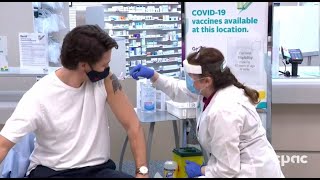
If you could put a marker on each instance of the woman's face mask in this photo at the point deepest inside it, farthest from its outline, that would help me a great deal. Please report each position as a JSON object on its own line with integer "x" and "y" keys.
{"x": 190, "y": 84}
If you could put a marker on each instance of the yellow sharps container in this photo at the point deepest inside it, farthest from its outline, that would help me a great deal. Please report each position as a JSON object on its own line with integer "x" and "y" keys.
{"x": 180, "y": 155}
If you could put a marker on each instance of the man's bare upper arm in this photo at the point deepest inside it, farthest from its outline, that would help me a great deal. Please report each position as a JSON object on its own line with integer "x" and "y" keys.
{"x": 4, "y": 142}
{"x": 5, "y": 146}
{"x": 119, "y": 102}
{"x": 113, "y": 86}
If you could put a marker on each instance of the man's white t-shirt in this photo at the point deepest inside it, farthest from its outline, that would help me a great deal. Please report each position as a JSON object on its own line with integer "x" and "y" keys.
{"x": 70, "y": 124}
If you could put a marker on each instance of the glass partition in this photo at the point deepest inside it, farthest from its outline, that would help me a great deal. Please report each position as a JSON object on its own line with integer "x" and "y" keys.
{"x": 295, "y": 26}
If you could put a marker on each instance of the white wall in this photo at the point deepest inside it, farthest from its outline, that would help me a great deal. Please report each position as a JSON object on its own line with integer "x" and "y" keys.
{"x": 15, "y": 17}
{"x": 315, "y": 60}
{"x": 18, "y": 17}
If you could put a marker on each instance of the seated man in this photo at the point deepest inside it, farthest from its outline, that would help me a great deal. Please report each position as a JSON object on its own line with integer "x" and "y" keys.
{"x": 67, "y": 112}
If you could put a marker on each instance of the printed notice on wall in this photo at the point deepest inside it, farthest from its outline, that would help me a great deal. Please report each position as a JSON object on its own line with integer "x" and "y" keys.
{"x": 244, "y": 59}
{"x": 3, "y": 53}
{"x": 3, "y": 45}
{"x": 33, "y": 51}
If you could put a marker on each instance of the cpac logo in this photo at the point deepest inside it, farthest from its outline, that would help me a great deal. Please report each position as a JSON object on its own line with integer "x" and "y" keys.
{"x": 296, "y": 159}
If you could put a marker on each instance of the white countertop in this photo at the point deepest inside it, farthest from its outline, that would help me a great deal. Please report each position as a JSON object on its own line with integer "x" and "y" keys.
{"x": 303, "y": 89}
{"x": 19, "y": 72}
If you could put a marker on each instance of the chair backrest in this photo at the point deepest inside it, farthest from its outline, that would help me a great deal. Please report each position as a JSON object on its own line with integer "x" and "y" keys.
{"x": 15, "y": 164}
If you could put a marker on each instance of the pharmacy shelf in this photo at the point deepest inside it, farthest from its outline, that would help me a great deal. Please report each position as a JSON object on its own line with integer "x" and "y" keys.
{"x": 135, "y": 46}
{"x": 156, "y": 27}
{"x": 120, "y": 36}
{"x": 164, "y": 70}
{"x": 158, "y": 63}
{"x": 163, "y": 47}
{"x": 164, "y": 63}
{"x": 170, "y": 29}
{"x": 136, "y": 20}
{"x": 174, "y": 75}
{"x": 134, "y": 12}
{"x": 168, "y": 70}
{"x": 136, "y": 56}
{"x": 138, "y": 29}
{"x": 158, "y": 46}
{"x": 153, "y": 56}
{"x": 134, "y": 38}
{"x": 159, "y": 55}
{"x": 169, "y": 40}
{"x": 139, "y": 3}
{"x": 117, "y": 28}
{"x": 151, "y": 37}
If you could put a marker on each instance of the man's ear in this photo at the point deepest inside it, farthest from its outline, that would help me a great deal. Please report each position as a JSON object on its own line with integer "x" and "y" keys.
{"x": 83, "y": 66}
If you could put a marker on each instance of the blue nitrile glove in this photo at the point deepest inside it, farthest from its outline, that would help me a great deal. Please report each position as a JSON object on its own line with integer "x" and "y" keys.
{"x": 141, "y": 71}
{"x": 193, "y": 169}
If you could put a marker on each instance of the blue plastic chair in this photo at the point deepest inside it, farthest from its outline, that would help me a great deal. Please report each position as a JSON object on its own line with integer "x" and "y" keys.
{"x": 15, "y": 164}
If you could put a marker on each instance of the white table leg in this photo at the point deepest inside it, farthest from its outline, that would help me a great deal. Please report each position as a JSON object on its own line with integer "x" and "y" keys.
{"x": 149, "y": 143}
{"x": 176, "y": 134}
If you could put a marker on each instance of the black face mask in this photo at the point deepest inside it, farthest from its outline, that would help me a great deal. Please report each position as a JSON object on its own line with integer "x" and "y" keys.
{"x": 97, "y": 76}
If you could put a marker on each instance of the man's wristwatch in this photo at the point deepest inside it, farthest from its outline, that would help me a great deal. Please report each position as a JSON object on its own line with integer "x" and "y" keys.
{"x": 142, "y": 170}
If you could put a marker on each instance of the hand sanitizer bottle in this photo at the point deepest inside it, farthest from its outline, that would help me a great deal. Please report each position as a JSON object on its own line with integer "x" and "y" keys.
{"x": 148, "y": 97}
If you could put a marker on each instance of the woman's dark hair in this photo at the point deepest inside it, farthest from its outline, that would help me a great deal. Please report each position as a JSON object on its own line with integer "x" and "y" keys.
{"x": 211, "y": 61}
{"x": 86, "y": 43}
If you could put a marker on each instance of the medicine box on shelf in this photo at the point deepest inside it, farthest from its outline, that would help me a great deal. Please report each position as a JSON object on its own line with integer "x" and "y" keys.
{"x": 152, "y": 31}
